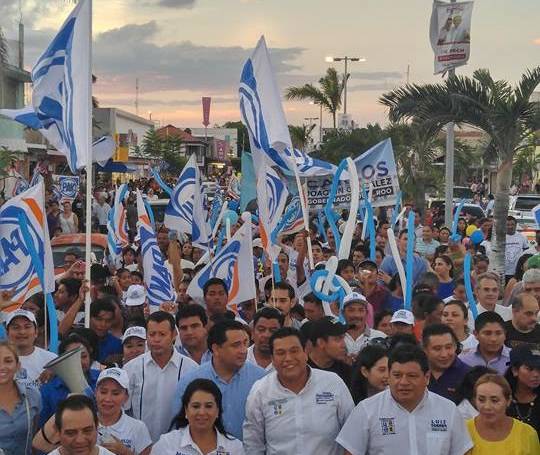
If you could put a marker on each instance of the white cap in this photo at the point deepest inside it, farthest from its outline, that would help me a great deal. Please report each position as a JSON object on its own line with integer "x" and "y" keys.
{"x": 403, "y": 316}
{"x": 257, "y": 243}
{"x": 135, "y": 331}
{"x": 20, "y": 314}
{"x": 135, "y": 295}
{"x": 354, "y": 297}
{"x": 117, "y": 374}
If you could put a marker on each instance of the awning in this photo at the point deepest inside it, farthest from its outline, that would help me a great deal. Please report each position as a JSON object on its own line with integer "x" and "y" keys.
{"x": 115, "y": 166}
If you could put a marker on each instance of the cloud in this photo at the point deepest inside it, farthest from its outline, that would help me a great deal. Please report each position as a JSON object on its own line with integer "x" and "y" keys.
{"x": 177, "y": 3}
{"x": 127, "y": 52}
{"x": 32, "y": 10}
{"x": 166, "y": 102}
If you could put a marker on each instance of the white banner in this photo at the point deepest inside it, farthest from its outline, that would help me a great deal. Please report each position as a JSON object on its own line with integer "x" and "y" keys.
{"x": 375, "y": 167}
{"x": 450, "y": 34}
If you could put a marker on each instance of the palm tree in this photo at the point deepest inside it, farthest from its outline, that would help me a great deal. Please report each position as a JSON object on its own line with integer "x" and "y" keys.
{"x": 526, "y": 161}
{"x": 328, "y": 95}
{"x": 504, "y": 113}
{"x": 301, "y": 136}
{"x": 3, "y": 48}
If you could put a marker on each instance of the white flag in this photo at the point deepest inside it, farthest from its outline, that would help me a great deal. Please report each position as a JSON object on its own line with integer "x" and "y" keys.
{"x": 18, "y": 272}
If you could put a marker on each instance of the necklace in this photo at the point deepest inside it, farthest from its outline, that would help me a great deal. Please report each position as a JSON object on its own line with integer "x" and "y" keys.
{"x": 523, "y": 418}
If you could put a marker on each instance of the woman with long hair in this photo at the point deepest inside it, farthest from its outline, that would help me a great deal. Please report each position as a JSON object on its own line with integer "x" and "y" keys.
{"x": 444, "y": 269}
{"x": 524, "y": 379}
{"x": 68, "y": 220}
{"x": 199, "y": 424}
{"x": 370, "y": 372}
{"x": 492, "y": 431}
{"x": 19, "y": 406}
{"x": 456, "y": 316}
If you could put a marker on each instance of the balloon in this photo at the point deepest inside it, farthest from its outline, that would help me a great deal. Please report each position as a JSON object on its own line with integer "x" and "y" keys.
{"x": 230, "y": 215}
{"x": 477, "y": 237}
{"x": 468, "y": 285}
{"x": 410, "y": 258}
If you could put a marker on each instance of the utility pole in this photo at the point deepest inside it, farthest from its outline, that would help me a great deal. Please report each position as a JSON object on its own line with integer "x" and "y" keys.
{"x": 137, "y": 96}
{"x": 449, "y": 170}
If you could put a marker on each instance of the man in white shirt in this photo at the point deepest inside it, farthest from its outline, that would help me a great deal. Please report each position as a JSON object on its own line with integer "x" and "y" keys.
{"x": 516, "y": 245}
{"x": 154, "y": 375}
{"x": 295, "y": 409}
{"x": 100, "y": 210}
{"x": 487, "y": 295}
{"x": 266, "y": 321}
{"x": 192, "y": 323}
{"x": 358, "y": 333}
{"x": 22, "y": 333}
{"x": 76, "y": 421}
{"x": 406, "y": 418}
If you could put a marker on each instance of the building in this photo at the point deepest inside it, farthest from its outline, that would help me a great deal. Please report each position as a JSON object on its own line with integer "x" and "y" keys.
{"x": 187, "y": 143}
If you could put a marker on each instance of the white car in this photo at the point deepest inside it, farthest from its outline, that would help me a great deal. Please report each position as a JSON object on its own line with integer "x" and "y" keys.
{"x": 521, "y": 209}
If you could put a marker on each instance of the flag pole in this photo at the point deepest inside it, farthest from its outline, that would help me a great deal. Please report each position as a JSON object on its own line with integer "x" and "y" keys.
{"x": 88, "y": 237}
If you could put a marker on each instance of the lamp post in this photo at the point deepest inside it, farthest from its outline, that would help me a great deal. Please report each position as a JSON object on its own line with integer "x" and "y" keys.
{"x": 345, "y": 59}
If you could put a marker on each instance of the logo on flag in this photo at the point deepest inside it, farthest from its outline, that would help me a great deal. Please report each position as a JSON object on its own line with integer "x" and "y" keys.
{"x": 17, "y": 271}
{"x": 157, "y": 277}
{"x": 233, "y": 261}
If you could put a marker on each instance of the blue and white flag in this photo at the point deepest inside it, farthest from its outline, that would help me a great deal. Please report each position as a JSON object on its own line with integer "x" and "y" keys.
{"x": 262, "y": 111}
{"x": 215, "y": 207}
{"x": 536, "y": 213}
{"x": 271, "y": 198}
{"x": 157, "y": 278}
{"x": 185, "y": 212}
{"x": 61, "y": 89}
{"x": 310, "y": 167}
{"x": 234, "y": 262}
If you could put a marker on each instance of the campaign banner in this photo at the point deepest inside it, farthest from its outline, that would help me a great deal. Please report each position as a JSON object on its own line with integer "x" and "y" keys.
{"x": 67, "y": 185}
{"x": 450, "y": 34}
{"x": 376, "y": 168}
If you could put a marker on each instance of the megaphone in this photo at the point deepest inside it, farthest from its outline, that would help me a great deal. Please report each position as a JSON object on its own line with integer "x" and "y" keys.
{"x": 68, "y": 368}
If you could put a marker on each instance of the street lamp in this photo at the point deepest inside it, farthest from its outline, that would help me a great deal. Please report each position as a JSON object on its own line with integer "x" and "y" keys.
{"x": 345, "y": 59}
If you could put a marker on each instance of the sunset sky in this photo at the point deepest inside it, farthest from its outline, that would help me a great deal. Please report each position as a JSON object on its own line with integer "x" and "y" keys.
{"x": 184, "y": 49}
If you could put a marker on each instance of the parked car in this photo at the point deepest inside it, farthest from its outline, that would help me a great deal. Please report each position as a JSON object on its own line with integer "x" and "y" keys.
{"x": 521, "y": 209}
{"x": 473, "y": 210}
{"x": 64, "y": 242}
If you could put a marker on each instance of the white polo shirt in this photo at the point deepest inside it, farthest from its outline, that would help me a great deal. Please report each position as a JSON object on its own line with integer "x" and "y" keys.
{"x": 152, "y": 389}
{"x": 355, "y": 346}
{"x": 251, "y": 358}
{"x": 32, "y": 366}
{"x": 129, "y": 431}
{"x": 279, "y": 421}
{"x": 179, "y": 442}
{"x": 102, "y": 451}
{"x": 504, "y": 312}
{"x": 380, "y": 426}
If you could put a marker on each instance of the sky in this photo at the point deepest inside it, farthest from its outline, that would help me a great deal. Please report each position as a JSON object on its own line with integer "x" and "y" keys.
{"x": 181, "y": 50}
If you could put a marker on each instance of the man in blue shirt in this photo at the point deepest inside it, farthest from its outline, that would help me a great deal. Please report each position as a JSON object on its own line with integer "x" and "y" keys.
{"x": 228, "y": 340}
{"x": 388, "y": 264}
{"x": 101, "y": 321}
{"x": 446, "y": 369}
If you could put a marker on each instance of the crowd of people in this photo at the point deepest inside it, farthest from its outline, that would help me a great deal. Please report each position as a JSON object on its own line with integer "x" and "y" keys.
{"x": 284, "y": 373}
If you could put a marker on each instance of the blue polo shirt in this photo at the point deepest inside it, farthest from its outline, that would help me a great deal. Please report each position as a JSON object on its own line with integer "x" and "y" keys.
{"x": 110, "y": 345}
{"x": 389, "y": 267}
{"x": 445, "y": 290}
{"x": 234, "y": 393}
{"x": 54, "y": 391}
{"x": 447, "y": 384}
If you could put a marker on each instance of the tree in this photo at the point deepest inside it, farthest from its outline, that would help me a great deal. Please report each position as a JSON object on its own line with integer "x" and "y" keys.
{"x": 504, "y": 113}
{"x": 163, "y": 151}
{"x": 301, "y": 136}
{"x": 328, "y": 95}
{"x": 3, "y": 48}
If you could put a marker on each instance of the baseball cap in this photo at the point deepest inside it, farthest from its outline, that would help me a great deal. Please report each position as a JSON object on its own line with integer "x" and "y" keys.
{"x": 354, "y": 297}
{"x": 135, "y": 295}
{"x": 117, "y": 374}
{"x": 257, "y": 243}
{"x": 135, "y": 331}
{"x": 21, "y": 314}
{"x": 403, "y": 316}
{"x": 525, "y": 355}
{"x": 327, "y": 326}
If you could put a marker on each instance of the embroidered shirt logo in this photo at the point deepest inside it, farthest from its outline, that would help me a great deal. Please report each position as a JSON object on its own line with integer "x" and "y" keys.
{"x": 439, "y": 425}
{"x": 278, "y": 406}
{"x": 388, "y": 425}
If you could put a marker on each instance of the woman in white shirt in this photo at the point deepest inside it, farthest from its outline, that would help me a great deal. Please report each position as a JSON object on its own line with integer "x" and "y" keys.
{"x": 118, "y": 432}
{"x": 200, "y": 426}
{"x": 68, "y": 220}
{"x": 455, "y": 315}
